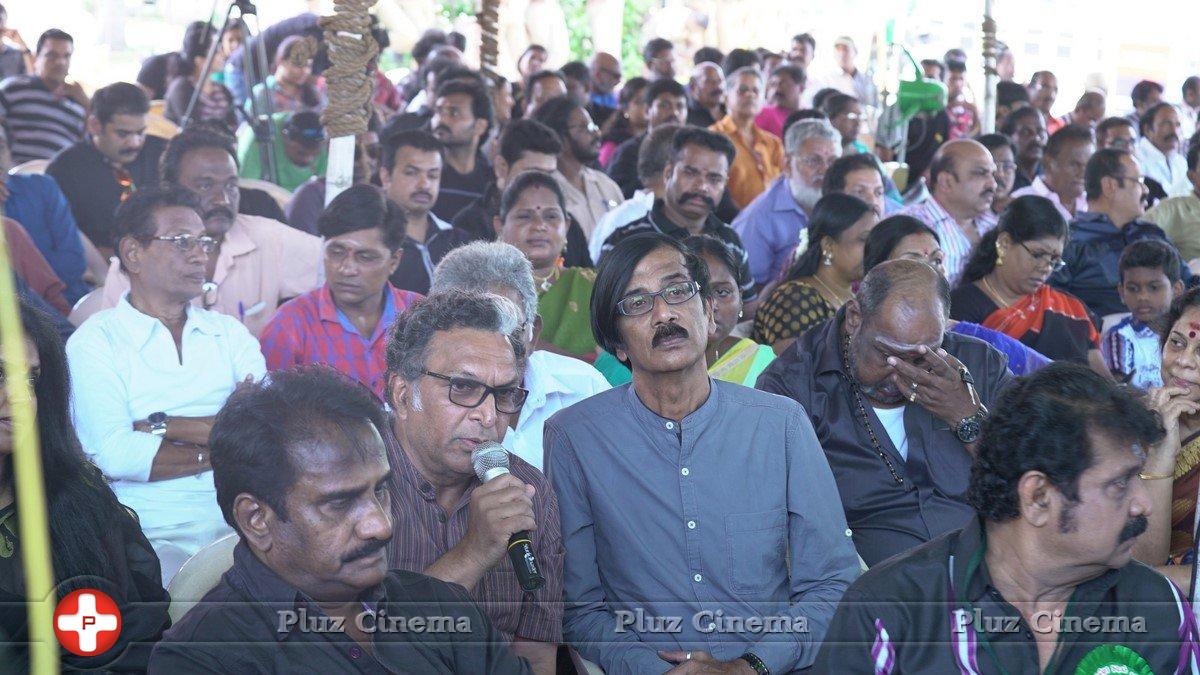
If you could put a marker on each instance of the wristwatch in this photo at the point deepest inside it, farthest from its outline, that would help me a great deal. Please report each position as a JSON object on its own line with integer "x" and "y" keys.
{"x": 158, "y": 423}
{"x": 970, "y": 427}
{"x": 755, "y": 663}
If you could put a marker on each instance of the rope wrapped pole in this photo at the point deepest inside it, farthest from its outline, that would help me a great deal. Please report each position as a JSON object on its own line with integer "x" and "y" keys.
{"x": 489, "y": 31}
{"x": 990, "y": 75}
{"x": 351, "y": 48}
{"x": 28, "y": 479}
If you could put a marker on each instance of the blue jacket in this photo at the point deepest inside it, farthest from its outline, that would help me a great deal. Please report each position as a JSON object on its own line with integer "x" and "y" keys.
{"x": 1092, "y": 252}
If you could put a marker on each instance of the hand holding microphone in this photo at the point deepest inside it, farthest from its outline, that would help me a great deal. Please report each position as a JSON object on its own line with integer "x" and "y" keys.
{"x": 501, "y": 517}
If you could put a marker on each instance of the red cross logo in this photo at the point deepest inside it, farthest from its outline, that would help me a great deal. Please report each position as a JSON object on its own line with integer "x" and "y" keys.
{"x": 87, "y": 622}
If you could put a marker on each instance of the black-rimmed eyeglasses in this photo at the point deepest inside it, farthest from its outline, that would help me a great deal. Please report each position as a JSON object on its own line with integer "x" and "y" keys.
{"x": 641, "y": 303}
{"x": 470, "y": 393}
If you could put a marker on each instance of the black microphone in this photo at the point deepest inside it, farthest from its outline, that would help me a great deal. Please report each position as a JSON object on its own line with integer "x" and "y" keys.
{"x": 491, "y": 460}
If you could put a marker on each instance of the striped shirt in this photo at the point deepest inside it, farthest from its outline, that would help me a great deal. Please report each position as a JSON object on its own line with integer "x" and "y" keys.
{"x": 1132, "y": 352}
{"x": 424, "y": 531}
{"x": 955, "y": 245}
{"x": 311, "y": 329}
{"x": 38, "y": 122}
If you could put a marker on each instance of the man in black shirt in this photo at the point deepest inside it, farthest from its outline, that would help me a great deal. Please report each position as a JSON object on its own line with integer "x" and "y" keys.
{"x": 114, "y": 159}
{"x": 1042, "y": 578}
{"x": 462, "y": 117}
{"x": 410, "y": 170}
{"x": 706, "y": 95}
{"x": 302, "y": 474}
{"x": 696, "y": 178}
{"x": 666, "y": 103}
{"x": 525, "y": 145}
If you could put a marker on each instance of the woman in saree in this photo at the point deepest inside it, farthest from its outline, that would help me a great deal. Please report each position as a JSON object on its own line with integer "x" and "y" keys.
{"x": 1004, "y": 286}
{"x": 1171, "y": 473}
{"x": 533, "y": 217}
{"x": 907, "y": 238}
{"x": 828, "y": 263}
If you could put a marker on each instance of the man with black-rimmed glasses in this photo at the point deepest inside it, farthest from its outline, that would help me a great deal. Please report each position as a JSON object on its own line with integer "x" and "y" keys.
{"x": 455, "y": 363}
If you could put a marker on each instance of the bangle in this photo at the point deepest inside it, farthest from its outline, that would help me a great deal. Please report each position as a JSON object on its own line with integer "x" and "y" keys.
{"x": 755, "y": 663}
{"x": 1155, "y": 476}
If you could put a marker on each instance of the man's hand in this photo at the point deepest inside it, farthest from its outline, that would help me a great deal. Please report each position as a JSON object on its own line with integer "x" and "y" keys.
{"x": 703, "y": 662}
{"x": 499, "y": 508}
{"x": 14, "y": 37}
{"x": 936, "y": 384}
{"x": 73, "y": 91}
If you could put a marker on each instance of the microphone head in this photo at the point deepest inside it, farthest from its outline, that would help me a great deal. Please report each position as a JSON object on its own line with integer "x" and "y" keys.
{"x": 489, "y": 460}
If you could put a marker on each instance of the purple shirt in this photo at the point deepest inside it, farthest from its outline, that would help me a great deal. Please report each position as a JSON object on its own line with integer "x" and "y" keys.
{"x": 770, "y": 229}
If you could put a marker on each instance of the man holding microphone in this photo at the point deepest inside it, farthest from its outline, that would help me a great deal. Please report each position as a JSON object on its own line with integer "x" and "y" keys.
{"x": 455, "y": 364}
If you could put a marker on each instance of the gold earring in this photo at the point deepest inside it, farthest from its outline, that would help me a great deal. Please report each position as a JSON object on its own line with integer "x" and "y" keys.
{"x": 828, "y": 259}
{"x": 999, "y": 255}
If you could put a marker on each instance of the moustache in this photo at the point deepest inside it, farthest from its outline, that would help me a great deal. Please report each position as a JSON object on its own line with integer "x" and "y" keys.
{"x": 426, "y": 195}
{"x": 666, "y": 332}
{"x": 1133, "y": 528}
{"x": 366, "y": 550}
{"x": 441, "y": 127}
{"x": 222, "y": 211}
{"x": 708, "y": 201}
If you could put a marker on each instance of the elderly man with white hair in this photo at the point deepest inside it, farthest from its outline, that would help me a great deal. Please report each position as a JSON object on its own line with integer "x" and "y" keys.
{"x": 770, "y": 225}
{"x": 553, "y": 381}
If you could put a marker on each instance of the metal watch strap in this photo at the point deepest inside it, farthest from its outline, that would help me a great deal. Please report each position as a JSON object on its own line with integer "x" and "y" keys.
{"x": 755, "y": 663}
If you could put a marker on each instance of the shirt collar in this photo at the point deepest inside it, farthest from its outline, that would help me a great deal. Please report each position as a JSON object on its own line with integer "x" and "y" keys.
{"x": 438, "y": 222}
{"x": 237, "y": 240}
{"x": 697, "y": 417}
{"x": 540, "y": 379}
{"x": 828, "y": 356}
{"x": 263, "y": 585}
{"x": 659, "y": 219}
{"x": 142, "y": 327}
{"x": 782, "y": 198}
{"x": 327, "y": 309}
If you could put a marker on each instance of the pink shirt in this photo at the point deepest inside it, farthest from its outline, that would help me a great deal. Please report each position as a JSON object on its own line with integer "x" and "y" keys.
{"x": 771, "y": 119}
{"x": 1039, "y": 188}
{"x": 261, "y": 264}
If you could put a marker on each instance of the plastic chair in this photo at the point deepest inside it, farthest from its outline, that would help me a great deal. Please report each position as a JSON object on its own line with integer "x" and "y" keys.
{"x": 280, "y": 194}
{"x": 32, "y": 166}
{"x": 200, "y": 574}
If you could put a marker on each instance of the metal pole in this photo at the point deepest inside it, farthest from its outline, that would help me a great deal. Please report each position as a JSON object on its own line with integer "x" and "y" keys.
{"x": 207, "y": 69}
{"x": 990, "y": 76}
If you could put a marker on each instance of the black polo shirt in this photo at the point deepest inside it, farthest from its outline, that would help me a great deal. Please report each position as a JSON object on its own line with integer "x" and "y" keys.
{"x": 657, "y": 221}
{"x": 886, "y": 517}
{"x": 457, "y": 190}
{"x": 89, "y": 182}
{"x": 905, "y": 612}
{"x": 477, "y": 220}
{"x": 244, "y": 626}
{"x": 418, "y": 260}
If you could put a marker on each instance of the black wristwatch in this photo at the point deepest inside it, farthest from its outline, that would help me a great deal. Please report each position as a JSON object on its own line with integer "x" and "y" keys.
{"x": 158, "y": 423}
{"x": 755, "y": 663}
{"x": 970, "y": 427}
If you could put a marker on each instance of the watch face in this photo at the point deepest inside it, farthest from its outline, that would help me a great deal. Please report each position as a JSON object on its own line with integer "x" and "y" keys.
{"x": 157, "y": 418}
{"x": 969, "y": 429}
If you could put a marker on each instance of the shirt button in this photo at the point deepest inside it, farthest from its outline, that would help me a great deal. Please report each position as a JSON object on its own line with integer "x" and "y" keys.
{"x": 441, "y": 517}
{"x": 355, "y": 652}
{"x": 685, "y": 471}
{"x": 670, "y": 425}
{"x": 697, "y": 578}
{"x": 691, "y": 524}
{"x": 849, "y": 533}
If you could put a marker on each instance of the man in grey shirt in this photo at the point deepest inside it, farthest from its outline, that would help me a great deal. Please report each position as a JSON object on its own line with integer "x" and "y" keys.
{"x": 700, "y": 518}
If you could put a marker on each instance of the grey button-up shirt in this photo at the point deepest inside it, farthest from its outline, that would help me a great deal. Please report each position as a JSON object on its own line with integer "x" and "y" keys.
{"x": 722, "y": 533}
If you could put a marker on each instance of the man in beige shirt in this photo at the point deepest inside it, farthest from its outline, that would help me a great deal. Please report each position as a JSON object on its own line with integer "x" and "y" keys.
{"x": 1179, "y": 216}
{"x": 259, "y": 263}
{"x": 589, "y": 192}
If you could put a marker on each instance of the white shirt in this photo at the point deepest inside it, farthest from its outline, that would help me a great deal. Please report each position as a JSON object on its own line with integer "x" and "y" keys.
{"x": 892, "y": 420}
{"x": 554, "y": 382}
{"x": 1039, "y": 188}
{"x": 124, "y": 366}
{"x": 634, "y": 208}
{"x": 1170, "y": 171}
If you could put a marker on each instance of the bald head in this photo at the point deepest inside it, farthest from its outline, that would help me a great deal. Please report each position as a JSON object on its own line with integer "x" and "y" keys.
{"x": 1089, "y": 110}
{"x": 911, "y": 283}
{"x": 707, "y": 84}
{"x": 606, "y": 72}
{"x": 962, "y": 177}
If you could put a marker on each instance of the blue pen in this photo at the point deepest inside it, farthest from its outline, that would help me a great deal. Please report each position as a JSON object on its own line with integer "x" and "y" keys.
{"x": 241, "y": 312}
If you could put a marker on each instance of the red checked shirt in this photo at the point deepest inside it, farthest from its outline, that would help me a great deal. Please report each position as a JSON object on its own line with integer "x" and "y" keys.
{"x": 311, "y": 329}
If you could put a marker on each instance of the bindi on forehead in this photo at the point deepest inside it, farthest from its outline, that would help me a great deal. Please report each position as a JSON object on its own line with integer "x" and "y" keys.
{"x": 1193, "y": 330}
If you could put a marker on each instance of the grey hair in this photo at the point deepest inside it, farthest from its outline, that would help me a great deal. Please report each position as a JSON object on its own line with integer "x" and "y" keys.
{"x": 732, "y": 80}
{"x": 409, "y": 338}
{"x": 802, "y": 130}
{"x": 482, "y": 266}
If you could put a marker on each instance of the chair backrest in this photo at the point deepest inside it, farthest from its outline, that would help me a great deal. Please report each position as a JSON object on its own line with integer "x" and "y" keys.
{"x": 32, "y": 166}
{"x": 280, "y": 194}
{"x": 157, "y": 125}
{"x": 200, "y": 574}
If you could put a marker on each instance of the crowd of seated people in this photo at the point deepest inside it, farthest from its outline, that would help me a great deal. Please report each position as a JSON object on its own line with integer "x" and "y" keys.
{"x": 768, "y": 404}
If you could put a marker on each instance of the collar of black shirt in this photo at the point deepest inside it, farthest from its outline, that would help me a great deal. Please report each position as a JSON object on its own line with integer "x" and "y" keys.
{"x": 262, "y": 585}
{"x": 974, "y": 580}
{"x": 659, "y": 219}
